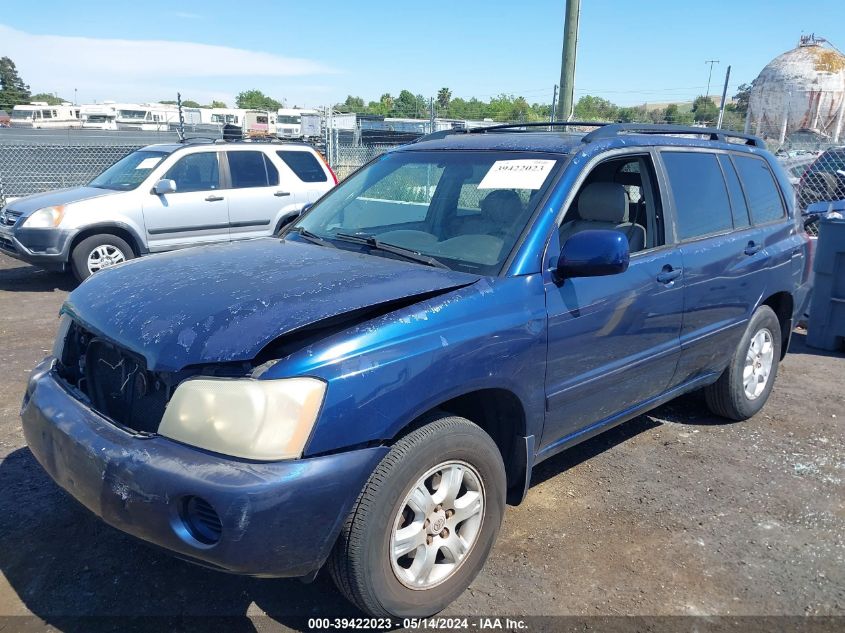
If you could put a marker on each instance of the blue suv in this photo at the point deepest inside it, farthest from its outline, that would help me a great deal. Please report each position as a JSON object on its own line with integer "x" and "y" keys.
{"x": 367, "y": 392}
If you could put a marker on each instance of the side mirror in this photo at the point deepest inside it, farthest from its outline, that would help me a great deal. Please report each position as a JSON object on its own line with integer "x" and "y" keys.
{"x": 164, "y": 186}
{"x": 593, "y": 253}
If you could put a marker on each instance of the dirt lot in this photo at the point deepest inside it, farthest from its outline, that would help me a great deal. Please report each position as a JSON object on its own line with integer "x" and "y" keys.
{"x": 675, "y": 513}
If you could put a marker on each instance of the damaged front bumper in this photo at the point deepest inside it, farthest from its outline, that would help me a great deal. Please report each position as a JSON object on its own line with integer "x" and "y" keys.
{"x": 275, "y": 519}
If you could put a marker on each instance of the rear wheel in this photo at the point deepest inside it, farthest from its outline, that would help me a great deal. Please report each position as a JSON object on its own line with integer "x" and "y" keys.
{"x": 745, "y": 385}
{"x": 97, "y": 252}
{"x": 425, "y": 522}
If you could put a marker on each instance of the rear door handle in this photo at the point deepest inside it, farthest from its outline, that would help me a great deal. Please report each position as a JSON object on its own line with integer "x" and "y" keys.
{"x": 213, "y": 198}
{"x": 281, "y": 194}
{"x": 669, "y": 274}
{"x": 752, "y": 248}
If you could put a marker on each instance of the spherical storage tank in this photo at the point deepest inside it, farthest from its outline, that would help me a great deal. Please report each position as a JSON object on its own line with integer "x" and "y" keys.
{"x": 802, "y": 89}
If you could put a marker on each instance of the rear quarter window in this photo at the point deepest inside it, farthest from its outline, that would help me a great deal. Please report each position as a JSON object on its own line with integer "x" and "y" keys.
{"x": 761, "y": 192}
{"x": 304, "y": 164}
{"x": 701, "y": 197}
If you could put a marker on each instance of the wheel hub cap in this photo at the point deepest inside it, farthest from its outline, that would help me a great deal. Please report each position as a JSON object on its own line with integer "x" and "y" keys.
{"x": 758, "y": 364}
{"x": 104, "y": 256}
{"x": 437, "y": 525}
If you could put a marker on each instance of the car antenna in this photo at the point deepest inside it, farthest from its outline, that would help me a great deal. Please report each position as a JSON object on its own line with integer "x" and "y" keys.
{"x": 181, "y": 128}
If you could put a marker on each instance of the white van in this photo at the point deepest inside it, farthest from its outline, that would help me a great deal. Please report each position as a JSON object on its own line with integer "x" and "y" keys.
{"x": 41, "y": 115}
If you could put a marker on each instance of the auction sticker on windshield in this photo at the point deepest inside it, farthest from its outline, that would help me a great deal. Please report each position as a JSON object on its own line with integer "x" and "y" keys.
{"x": 517, "y": 174}
{"x": 149, "y": 163}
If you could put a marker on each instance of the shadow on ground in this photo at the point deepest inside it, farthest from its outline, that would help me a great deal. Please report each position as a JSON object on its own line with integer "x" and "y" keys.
{"x": 32, "y": 279}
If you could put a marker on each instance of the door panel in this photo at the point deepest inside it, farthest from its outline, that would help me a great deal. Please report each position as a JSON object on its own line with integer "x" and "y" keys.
{"x": 197, "y": 212}
{"x": 257, "y": 198}
{"x": 613, "y": 341}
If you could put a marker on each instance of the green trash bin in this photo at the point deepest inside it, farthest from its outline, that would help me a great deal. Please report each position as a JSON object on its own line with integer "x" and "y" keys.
{"x": 826, "y": 328}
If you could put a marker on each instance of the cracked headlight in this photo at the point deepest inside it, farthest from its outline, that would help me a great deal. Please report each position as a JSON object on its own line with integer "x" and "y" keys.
{"x": 264, "y": 420}
{"x": 46, "y": 218}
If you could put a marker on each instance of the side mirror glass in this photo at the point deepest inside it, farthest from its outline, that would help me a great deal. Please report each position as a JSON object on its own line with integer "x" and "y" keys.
{"x": 164, "y": 186}
{"x": 593, "y": 253}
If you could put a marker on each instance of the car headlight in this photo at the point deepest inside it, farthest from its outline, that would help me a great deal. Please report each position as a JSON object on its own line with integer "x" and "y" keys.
{"x": 264, "y": 420}
{"x": 45, "y": 218}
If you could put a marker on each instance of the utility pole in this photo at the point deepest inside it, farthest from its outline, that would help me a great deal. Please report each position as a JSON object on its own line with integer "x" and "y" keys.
{"x": 567, "y": 64}
{"x": 724, "y": 99}
{"x": 554, "y": 101}
{"x": 709, "y": 76}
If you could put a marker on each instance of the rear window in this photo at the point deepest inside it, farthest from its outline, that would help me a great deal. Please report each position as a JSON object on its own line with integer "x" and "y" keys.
{"x": 304, "y": 164}
{"x": 701, "y": 199}
{"x": 251, "y": 169}
{"x": 761, "y": 192}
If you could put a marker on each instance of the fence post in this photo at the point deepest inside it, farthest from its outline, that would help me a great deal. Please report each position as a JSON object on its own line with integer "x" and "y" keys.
{"x": 838, "y": 130}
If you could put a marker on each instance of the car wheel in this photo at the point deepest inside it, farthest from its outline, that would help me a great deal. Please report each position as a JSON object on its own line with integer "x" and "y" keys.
{"x": 97, "y": 252}
{"x": 425, "y": 522}
{"x": 745, "y": 385}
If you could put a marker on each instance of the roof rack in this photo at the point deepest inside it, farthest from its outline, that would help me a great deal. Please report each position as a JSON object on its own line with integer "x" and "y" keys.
{"x": 197, "y": 139}
{"x": 615, "y": 129}
{"x": 537, "y": 124}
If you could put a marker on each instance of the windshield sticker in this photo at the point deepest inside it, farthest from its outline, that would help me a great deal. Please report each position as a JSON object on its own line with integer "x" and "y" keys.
{"x": 148, "y": 163}
{"x": 517, "y": 174}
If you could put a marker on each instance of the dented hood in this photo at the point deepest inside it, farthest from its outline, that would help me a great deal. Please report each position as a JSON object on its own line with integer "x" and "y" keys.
{"x": 226, "y": 303}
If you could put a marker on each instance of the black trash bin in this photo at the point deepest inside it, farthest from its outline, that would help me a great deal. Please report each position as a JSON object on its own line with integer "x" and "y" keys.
{"x": 826, "y": 329}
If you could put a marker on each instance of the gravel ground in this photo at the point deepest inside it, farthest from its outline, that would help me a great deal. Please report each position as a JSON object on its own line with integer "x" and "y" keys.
{"x": 674, "y": 513}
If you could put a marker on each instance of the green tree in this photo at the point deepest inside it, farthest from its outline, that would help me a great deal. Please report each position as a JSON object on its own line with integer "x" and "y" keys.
{"x": 444, "y": 95}
{"x": 47, "y": 98}
{"x": 168, "y": 102}
{"x": 704, "y": 109}
{"x": 256, "y": 100}
{"x": 190, "y": 103}
{"x": 13, "y": 91}
{"x": 590, "y": 108}
{"x": 217, "y": 104}
{"x": 352, "y": 104}
{"x": 740, "y": 104}
{"x": 406, "y": 104}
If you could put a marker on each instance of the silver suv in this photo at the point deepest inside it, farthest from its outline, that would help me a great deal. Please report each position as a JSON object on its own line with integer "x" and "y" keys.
{"x": 164, "y": 197}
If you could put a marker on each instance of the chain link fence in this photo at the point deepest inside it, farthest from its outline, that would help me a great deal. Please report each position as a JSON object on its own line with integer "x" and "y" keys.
{"x": 29, "y": 169}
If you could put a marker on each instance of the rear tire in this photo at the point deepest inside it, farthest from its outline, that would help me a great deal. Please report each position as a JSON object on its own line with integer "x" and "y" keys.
{"x": 424, "y": 524}
{"x": 97, "y": 252}
{"x": 744, "y": 387}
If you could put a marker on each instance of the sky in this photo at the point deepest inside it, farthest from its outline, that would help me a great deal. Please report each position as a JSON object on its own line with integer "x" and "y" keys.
{"x": 314, "y": 54}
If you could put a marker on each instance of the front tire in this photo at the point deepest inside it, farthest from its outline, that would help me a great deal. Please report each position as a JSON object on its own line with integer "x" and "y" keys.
{"x": 424, "y": 524}
{"x": 97, "y": 252}
{"x": 744, "y": 387}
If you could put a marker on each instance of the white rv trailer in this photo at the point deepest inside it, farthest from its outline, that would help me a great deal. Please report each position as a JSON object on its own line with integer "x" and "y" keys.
{"x": 99, "y": 116}
{"x": 259, "y": 123}
{"x": 40, "y": 115}
{"x": 289, "y": 121}
{"x": 230, "y": 116}
{"x": 149, "y": 117}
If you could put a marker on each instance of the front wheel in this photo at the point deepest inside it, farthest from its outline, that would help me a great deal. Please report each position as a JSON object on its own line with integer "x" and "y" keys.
{"x": 745, "y": 385}
{"x": 97, "y": 252}
{"x": 425, "y": 522}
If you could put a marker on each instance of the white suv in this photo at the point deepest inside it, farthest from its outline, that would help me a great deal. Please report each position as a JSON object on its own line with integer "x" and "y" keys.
{"x": 164, "y": 197}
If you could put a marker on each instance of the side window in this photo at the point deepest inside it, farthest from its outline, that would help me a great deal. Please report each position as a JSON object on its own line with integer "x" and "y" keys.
{"x": 195, "y": 172}
{"x": 760, "y": 189}
{"x": 304, "y": 164}
{"x": 698, "y": 188}
{"x": 251, "y": 169}
{"x": 738, "y": 205}
{"x": 619, "y": 194}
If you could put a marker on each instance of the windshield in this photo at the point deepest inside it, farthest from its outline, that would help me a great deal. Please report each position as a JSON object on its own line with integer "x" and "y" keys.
{"x": 129, "y": 172}
{"x": 21, "y": 114}
{"x": 133, "y": 114}
{"x": 464, "y": 209}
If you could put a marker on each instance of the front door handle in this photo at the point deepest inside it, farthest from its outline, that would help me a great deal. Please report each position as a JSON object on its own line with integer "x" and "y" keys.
{"x": 669, "y": 274}
{"x": 281, "y": 194}
{"x": 213, "y": 198}
{"x": 752, "y": 248}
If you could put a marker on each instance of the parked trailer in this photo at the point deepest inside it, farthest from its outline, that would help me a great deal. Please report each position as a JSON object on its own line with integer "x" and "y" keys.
{"x": 40, "y": 115}
{"x": 149, "y": 117}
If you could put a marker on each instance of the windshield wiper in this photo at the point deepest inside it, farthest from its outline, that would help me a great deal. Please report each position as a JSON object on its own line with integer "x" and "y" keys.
{"x": 373, "y": 242}
{"x": 308, "y": 236}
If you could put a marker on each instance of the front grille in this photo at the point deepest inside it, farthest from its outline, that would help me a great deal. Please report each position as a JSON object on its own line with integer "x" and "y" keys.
{"x": 9, "y": 217}
{"x": 115, "y": 381}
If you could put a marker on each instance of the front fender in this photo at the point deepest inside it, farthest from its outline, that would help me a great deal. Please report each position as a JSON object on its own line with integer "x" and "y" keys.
{"x": 386, "y": 372}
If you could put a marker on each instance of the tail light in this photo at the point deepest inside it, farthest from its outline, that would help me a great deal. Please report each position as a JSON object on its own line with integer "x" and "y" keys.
{"x": 326, "y": 163}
